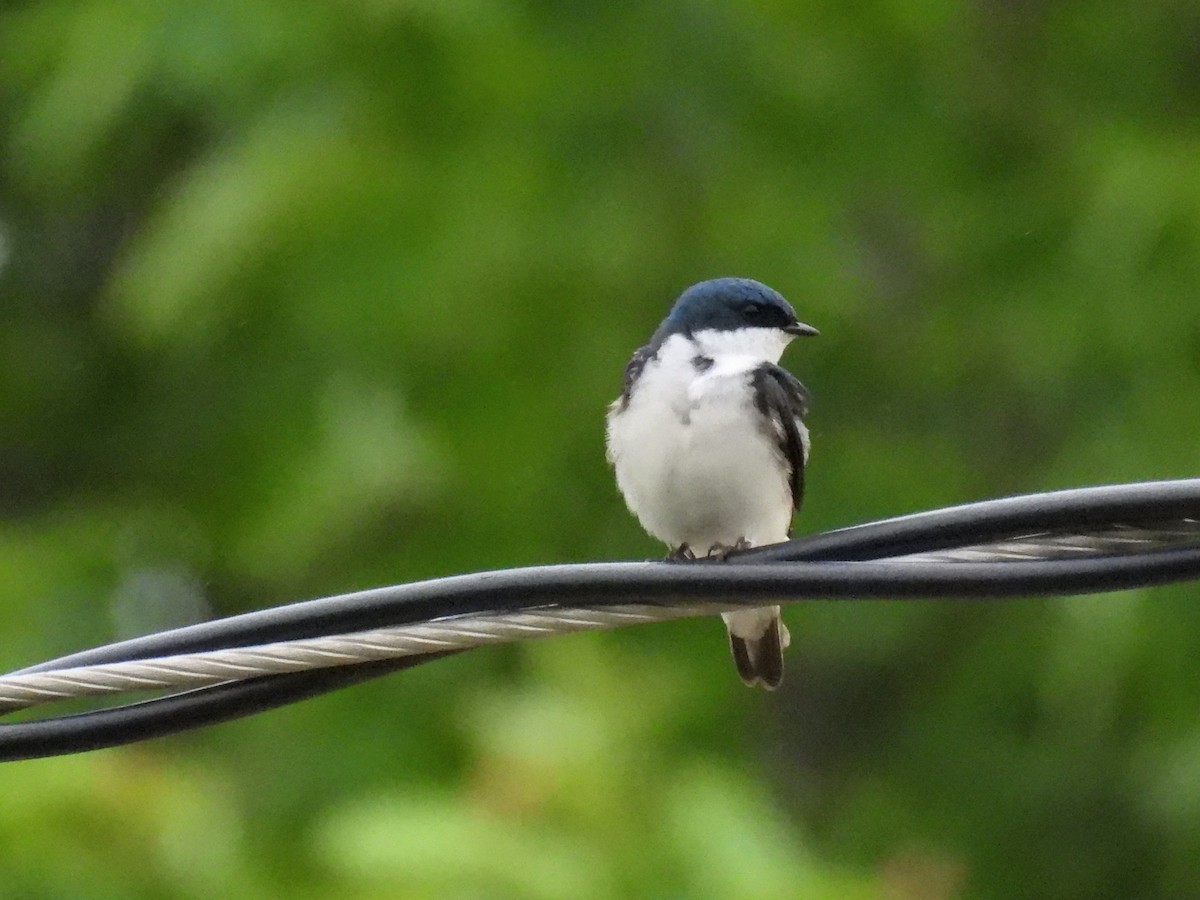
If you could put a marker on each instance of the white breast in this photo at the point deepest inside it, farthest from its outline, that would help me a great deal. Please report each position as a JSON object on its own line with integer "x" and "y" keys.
{"x": 694, "y": 457}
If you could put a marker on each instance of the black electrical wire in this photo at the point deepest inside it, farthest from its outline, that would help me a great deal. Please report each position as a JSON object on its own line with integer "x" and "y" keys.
{"x": 1078, "y": 511}
{"x": 614, "y": 584}
{"x": 597, "y": 584}
{"x": 154, "y": 718}
{"x": 829, "y": 566}
{"x": 134, "y": 722}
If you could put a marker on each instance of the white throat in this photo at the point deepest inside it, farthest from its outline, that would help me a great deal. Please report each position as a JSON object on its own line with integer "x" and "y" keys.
{"x": 763, "y": 344}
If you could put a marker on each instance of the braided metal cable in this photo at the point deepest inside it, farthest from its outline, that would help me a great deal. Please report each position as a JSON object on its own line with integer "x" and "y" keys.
{"x": 1067, "y": 542}
{"x": 1117, "y": 540}
{"x": 462, "y": 632}
{"x": 193, "y": 670}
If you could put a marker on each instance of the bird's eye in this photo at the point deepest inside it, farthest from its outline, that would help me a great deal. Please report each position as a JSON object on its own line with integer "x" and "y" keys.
{"x": 754, "y": 310}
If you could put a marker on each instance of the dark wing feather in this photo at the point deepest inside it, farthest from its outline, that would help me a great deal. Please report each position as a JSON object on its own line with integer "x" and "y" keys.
{"x": 633, "y": 369}
{"x": 783, "y": 400}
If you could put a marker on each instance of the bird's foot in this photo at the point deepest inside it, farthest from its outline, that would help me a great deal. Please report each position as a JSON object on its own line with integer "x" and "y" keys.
{"x": 682, "y": 553}
{"x": 722, "y": 551}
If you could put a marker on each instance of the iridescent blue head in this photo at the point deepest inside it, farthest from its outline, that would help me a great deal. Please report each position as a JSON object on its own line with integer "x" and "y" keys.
{"x": 730, "y": 304}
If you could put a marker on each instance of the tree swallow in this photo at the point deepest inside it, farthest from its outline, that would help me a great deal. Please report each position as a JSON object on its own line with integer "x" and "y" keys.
{"x": 709, "y": 444}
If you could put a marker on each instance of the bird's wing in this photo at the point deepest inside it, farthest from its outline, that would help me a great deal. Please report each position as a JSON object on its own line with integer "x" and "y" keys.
{"x": 633, "y": 369}
{"x": 783, "y": 401}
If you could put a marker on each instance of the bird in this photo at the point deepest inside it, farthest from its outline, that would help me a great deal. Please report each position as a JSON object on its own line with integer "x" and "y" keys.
{"x": 709, "y": 444}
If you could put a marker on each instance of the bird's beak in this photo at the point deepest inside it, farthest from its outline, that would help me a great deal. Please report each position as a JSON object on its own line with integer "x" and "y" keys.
{"x": 799, "y": 329}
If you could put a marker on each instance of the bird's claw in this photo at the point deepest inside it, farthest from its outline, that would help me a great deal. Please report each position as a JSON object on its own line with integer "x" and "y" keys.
{"x": 682, "y": 553}
{"x": 722, "y": 551}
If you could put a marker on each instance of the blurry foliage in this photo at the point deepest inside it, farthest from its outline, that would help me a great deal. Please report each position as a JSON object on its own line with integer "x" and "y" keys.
{"x": 303, "y": 298}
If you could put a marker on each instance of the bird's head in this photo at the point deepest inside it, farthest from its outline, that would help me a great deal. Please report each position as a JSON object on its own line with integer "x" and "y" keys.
{"x": 730, "y": 305}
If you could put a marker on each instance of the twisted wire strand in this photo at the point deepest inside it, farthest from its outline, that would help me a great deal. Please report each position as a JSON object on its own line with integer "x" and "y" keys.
{"x": 1119, "y": 539}
{"x": 1046, "y": 544}
{"x": 465, "y": 631}
{"x": 194, "y": 670}
{"x": 1075, "y": 511}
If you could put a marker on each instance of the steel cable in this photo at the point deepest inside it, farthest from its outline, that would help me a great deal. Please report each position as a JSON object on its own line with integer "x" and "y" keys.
{"x": 1091, "y": 539}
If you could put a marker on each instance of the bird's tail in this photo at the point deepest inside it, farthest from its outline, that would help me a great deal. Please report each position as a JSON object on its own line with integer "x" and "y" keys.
{"x": 757, "y": 638}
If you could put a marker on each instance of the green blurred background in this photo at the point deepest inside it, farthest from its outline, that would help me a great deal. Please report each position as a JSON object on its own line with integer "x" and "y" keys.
{"x": 302, "y": 298}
